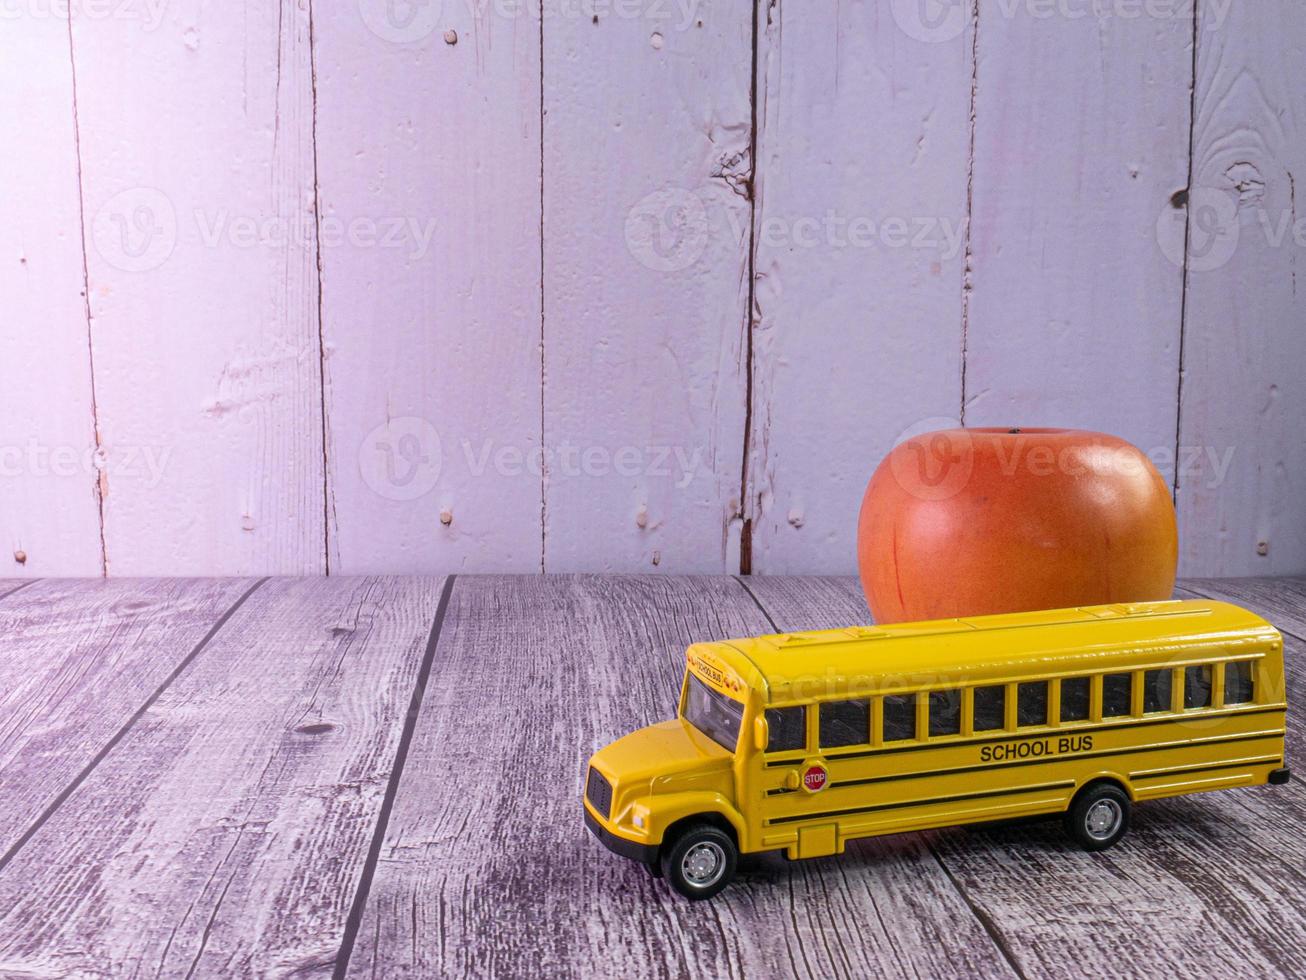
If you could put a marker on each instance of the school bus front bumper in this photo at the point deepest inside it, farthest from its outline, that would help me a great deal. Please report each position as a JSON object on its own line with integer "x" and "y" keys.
{"x": 624, "y": 846}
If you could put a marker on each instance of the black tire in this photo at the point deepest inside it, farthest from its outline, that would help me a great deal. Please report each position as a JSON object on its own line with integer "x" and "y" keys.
{"x": 700, "y": 861}
{"x": 1099, "y": 816}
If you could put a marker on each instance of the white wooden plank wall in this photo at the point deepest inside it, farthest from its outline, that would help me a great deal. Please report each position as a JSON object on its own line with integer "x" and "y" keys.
{"x": 49, "y": 502}
{"x": 861, "y": 218}
{"x": 630, "y": 285}
{"x": 1081, "y": 135}
{"x": 197, "y": 171}
{"x": 1245, "y": 343}
{"x": 430, "y": 285}
{"x": 646, "y": 238}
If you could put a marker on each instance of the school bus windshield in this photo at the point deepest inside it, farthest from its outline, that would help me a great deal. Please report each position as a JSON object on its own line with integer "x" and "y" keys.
{"x": 715, "y": 715}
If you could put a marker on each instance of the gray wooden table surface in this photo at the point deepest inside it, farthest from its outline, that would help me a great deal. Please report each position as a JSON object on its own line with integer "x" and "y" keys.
{"x": 382, "y": 777}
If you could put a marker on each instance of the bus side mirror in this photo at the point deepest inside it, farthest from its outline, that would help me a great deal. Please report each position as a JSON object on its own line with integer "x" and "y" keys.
{"x": 760, "y": 733}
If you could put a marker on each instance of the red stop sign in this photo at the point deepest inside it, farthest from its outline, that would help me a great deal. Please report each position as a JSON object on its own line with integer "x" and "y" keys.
{"x": 814, "y": 779}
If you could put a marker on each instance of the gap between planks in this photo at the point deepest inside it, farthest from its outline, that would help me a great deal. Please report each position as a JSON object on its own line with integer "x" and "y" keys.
{"x": 359, "y": 904}
{"x": 118, "y": 736}
{"x": 18, "y": 588}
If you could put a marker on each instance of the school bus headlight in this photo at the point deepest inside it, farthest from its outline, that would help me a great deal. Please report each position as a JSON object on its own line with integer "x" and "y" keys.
{"x": 638, "y": 818}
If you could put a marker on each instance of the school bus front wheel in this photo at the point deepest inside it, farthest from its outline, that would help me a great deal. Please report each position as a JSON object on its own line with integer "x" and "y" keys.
{"x": 801, "y": 742}
{"x": 699, "y": 861}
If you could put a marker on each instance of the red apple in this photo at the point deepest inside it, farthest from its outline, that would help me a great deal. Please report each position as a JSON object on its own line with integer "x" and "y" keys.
{"x": 963, "y": 522}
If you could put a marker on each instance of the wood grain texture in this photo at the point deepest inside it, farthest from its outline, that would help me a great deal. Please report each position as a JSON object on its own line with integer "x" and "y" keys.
{"x": 861, "y": 216}
{"x": 647, "y": 167}
{"x": 1074, "y": 312}
{"x": 431, "y": 284}
{"x": 79, "y": 658}
{"x": 1201, "y": 883}
{"x": 1246, "y": 301}
{"x": 226, "y": 832}
{"x": 487, "y": 868}
{"x": 47, "y": 423}
{"x": 197, "y": 173}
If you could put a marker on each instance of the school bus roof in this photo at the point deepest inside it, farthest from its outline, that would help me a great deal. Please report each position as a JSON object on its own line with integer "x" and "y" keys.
{"x": 795, "y": 666}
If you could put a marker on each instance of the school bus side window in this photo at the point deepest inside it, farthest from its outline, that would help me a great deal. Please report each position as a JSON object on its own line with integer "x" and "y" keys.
{"x": 1197, "y": 686}
{"x": 1156, "y": 690}
{"x": 899, "y": 717}
{"x": 1117, "y": 695}
{"x": 990, "y": 708}
{"x": 945, "y": 713}
{"x": 1074, "y": 699}
{"x": 786, "y": 728}
{"x": 1032, "y": 703}
{"x": 1238, "y": 682}
{"x": 845, "y": 723}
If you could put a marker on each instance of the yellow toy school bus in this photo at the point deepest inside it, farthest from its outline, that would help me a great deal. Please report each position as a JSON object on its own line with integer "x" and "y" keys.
{"x": 803, "y": 741}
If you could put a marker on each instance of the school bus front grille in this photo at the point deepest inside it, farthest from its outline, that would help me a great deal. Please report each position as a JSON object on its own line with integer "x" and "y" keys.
{"x": 599, "y": 792}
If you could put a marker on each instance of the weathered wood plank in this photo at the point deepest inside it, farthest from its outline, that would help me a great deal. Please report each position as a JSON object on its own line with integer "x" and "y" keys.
{"x": 1074, "y": 315}
{"x": 79, "y": 658}
{"x": 226, "y": 833}
{"x": 1244, "y": 341}
{"x": 487, "y": 868}
{"x": 9, "y": 586}
{"x": 863, "y": 143}
{"x": 645, "y": 282}
{"x": 431, "y": 283}
{"x": 203, "y": 285}
{"x": 47, "y": 415}
{"x": 1200, "y": 883}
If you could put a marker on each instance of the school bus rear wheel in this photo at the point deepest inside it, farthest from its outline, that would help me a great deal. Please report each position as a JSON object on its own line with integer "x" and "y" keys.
{"x": 700, "y": 861}
{"x": 1099, "y": 816}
